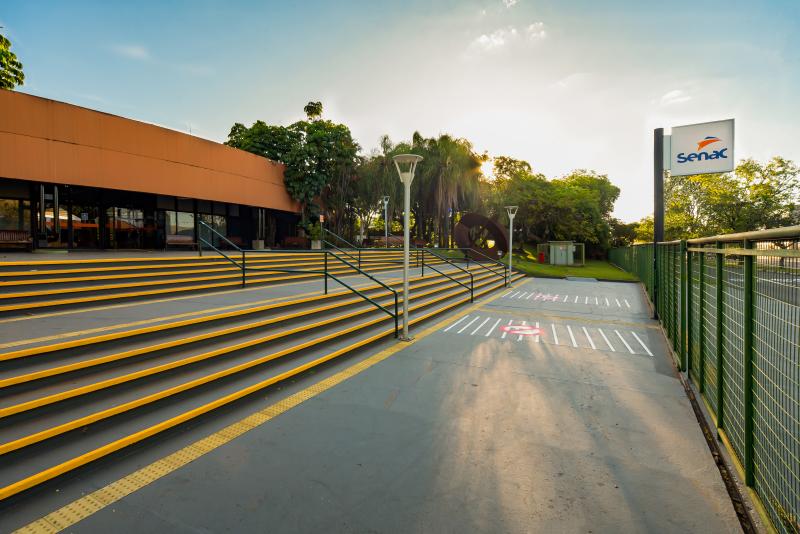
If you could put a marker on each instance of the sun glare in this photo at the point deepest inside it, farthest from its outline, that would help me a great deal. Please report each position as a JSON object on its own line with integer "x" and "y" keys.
{"x": 487, "y": 168}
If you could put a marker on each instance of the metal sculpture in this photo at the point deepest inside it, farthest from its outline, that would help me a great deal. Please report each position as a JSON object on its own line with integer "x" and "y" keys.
{"x": 478, "y": 233}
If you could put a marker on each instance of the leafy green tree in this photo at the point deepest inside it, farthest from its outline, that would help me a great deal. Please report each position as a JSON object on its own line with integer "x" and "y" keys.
{"x": 755, "y": 196}
{"x": 313, "y": 110}
{"x": 317, "y": 153}
{"x": 11, "y": 74}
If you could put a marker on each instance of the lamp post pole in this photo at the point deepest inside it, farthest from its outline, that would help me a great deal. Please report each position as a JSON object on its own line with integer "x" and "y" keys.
{"x": 409, "y": 163}
{"x": 386, "y": 219}
{"x": 512, "y": 212}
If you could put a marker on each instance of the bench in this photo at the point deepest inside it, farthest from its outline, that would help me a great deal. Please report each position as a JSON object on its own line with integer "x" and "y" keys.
{"x": 178, "y": 240}
{"x": 16, "y": 237}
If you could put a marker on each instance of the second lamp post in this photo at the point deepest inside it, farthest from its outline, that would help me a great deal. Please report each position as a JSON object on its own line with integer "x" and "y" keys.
{"x": 406, "y": 164}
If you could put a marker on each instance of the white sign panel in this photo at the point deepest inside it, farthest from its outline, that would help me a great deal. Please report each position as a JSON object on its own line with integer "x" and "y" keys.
{"x": 702, "y": 148}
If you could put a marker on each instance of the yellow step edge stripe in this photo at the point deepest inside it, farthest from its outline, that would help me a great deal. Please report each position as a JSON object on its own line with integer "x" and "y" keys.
{"x": 136, "y": 437}
{"x": 80, "y": 311}
{"x": 138, "y": 259}
{"x": 53, "y": 371}
{"x": 104, "y": 384}
{"x": 97, "y": 298}
{"x": 212, "y": 260}
{"x": 208, "y": 315}
{"x": 51, "y": 432}
{"x": 335, "y": 269}
{"x": 227, "y": 268}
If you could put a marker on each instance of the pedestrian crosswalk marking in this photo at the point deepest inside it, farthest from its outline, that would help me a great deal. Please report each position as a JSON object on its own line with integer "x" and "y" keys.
{"x": 610, "y": 302}
{"x": 586, "y": 333}
{"x": 455, "y": 323}
{"x": 610, "y": 346}
{"x": 562, "y": 334}
{"x": 491, "y": 329}
{"x": 624, "y": 342}
{"x": 572, "y": 337}
{"x": 469, "y": 323}
{"x": 480, "y": 326}
{"x": 642, "y": 344}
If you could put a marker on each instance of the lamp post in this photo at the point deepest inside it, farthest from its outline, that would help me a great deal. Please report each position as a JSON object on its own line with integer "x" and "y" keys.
{"x": 512, "y": 212}
{"x": 386, "y": 219}
{"x": 406, "y": 164}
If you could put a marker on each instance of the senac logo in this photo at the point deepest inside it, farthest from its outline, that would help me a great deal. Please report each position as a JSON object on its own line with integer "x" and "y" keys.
{"x": 683, "y": 157}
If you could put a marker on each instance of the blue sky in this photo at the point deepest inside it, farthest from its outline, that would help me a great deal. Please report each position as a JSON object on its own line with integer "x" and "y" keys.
{"x": 563, "y": 84}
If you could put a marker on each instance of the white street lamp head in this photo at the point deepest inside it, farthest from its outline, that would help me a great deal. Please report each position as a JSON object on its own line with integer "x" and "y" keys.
{"x": 385, "y": 200}
{"x": 512, "y": 210}
{"x": 406, "y": 165}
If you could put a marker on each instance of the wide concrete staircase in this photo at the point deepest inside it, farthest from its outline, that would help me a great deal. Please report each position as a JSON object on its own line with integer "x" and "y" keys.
{"x": 69, "y": 402}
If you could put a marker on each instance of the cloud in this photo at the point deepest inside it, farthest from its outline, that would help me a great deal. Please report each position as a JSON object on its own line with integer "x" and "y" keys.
{"x": 509, "y": 3}
{"x": 502, "y": 37}
{"x": 536, "y": 31}
{"x": 132, "y": 51}
{"x": 676, "y": 96}
{"x": 576, "y": 79}
{"x": 494, "y": 40}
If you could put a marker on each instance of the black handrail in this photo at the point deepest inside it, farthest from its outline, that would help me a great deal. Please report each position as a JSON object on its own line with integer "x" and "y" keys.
{"x": 504, "y": 275}
{"x": 340, "y": 238}
{"x": 325, "y": 273}
{"x": 470, "y": 288}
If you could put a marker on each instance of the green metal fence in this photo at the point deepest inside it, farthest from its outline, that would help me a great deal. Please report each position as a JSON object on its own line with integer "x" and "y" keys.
{"x": 730, "y": 306}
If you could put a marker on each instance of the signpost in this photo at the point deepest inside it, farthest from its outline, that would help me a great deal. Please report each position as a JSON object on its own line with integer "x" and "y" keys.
{"x": 703, "y": 148}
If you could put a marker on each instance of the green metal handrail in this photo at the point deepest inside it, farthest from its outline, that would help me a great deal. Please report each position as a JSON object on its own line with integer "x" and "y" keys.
{"x": 470, "y": 288}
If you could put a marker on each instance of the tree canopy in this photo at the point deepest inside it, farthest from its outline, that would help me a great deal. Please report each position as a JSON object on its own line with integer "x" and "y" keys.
{"x": 11, "y": 74}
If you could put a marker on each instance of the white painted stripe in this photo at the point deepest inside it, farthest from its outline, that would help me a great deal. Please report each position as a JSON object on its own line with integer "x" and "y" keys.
{"x": 521, "y": 336}
{"x": 607, "y": 303}
{"x": 591, "y": 341}
{"x": 610, "y": 346}
{"x": 480, "y": 326}
{"x": 586, "y": 300}
{"x": 504, "y": 332}
{"x": 572, "y": 337}
{"x": 491, "y": 329}
{"x": 597, "y": 302}
{"x": 505, "y": 295}
{"x": 624, "y": 342}
{"x": 642, "y": 344}
{"x": 536, "y": 337}
{"x": 618, "y": 303}
{"x": 565, "y": 298}
{"x": 529, "y": 296}
{"x": 522, "y": 294}
{"x": 576, "y": 299}
{"x": 555, "y": 334}
{"x": 514, "y": 294}
{"x": 628, "y": 304}
{"x": 468, "y": 324}
{"x": 455, "y": 323}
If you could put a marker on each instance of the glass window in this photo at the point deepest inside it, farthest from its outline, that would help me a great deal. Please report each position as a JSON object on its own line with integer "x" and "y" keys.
{"x": 165, "y": 202}
{"x": 15, "y": 214}
{"x": 233, "y": 210}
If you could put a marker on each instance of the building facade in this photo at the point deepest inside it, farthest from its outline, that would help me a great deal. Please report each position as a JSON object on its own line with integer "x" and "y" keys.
{"x": 76, "y": 178}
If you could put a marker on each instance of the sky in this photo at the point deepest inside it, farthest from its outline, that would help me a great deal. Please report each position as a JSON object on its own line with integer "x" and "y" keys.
{"x": 562, "y": 84}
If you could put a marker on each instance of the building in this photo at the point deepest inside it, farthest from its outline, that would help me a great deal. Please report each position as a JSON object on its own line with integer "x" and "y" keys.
{"x": 76, "y": 178}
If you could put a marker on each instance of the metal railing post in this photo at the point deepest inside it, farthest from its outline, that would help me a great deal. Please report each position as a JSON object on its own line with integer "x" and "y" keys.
{"x": 686, "y": 301}
{"x": 423, "y": 263}
{"x": 244, "y": 269}
{"x": 396, "y": 316}
{"x": 719, "y": 347}
{"x": 471, "y": 288}
{"x": 325, "y": 275}
{"x": 702, "y": 324}
{"x": 680, "y": 308}
{"x": 359, "y": 258}
{"x": 748, "y": 365}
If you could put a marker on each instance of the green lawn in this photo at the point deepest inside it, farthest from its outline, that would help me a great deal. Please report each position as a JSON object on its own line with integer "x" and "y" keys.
{"x": 593, "y": 269}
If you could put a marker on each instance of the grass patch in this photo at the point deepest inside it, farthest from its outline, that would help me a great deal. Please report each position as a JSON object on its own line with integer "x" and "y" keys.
{"x": 604, "y": 270}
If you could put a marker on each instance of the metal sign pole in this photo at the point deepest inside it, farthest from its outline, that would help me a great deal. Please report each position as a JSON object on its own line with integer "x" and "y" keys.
{"x": 658, "y": 208}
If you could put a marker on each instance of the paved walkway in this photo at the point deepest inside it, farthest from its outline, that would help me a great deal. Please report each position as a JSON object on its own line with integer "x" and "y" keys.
{"x": 485, "y": 423}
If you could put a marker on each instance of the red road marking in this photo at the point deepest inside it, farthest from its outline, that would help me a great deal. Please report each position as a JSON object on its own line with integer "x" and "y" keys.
{"x": 521, "y": 329}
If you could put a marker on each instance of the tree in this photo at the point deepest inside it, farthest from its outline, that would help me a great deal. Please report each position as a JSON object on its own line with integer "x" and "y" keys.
{"x": 317, "y": 153}
{"x": 11, "y": 74}
{"x": 313, "y": 110}
{"x": 755, "y": 196}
